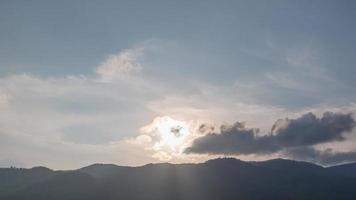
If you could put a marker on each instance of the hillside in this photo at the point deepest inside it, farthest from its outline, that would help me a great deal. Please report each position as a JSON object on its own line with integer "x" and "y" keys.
{"x": 214, "y": 179}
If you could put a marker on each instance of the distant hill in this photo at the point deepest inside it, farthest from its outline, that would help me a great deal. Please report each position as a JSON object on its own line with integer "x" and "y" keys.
{"x": 215, "y": 179}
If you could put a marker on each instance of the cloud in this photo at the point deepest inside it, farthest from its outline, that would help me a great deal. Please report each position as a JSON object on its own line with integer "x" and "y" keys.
{"x": 4, "y": 100}
{"x": 300, "y": 79}
{"x": 236, "y": 139}
{"x": 323, "y": 157}
{"x": 49, "y": 120}
{"x": 310, "y": 130}
{"x": 306, "y": 130}
{"x": 121, "y": 65}
{"x": 54, "y": 120}
{"x": 162, "y": 156}
{"x": 206, "y": 128}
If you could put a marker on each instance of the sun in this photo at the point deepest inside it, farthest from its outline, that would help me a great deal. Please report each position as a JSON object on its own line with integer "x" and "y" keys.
{"x": 168, "y": 135}
{"x": 172, "y": 132}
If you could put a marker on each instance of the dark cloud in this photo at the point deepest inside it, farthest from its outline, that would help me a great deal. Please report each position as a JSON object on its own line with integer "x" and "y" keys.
{"x": 286, "y": 133}
{"x": 206, "y": 128}
{"x": 310, "y": 130}
{"x": 235, "y": 139}
{"x": 324, "y": 157}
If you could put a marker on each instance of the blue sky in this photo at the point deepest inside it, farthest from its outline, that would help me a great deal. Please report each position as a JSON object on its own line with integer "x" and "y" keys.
{"x": 217, "y": 42}
{"x": 99, "y": 71}
{"x": 51, "y": 38}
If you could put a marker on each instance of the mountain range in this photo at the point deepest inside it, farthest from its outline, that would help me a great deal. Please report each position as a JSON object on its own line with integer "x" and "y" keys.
{"x": 218, "y": 179}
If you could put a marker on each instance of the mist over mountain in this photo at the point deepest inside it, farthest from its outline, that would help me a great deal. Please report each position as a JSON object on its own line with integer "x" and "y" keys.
{"x": 224, "y": 178}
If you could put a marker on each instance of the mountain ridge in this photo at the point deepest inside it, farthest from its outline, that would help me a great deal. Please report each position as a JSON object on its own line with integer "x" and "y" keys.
{"x": 222, "y": 178}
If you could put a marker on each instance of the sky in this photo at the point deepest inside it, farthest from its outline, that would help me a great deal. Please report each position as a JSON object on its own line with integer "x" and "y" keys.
{"x": 137, "y": 82}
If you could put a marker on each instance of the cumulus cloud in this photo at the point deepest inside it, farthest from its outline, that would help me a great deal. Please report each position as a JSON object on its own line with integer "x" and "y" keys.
{"x": 236, "y": 139}
{"x": 121, "y": 65}
{"x": 306, "y": 130}
{"x": 310, "y": 130}
{"x": 206, "y": 128}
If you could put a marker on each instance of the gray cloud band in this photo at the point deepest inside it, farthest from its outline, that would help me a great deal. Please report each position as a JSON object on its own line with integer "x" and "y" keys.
{"x": 324, "y": 157}
{"x": 302, "y": 132}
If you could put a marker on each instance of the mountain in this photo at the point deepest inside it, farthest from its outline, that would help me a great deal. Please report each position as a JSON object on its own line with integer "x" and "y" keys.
{"x": 14, "y": 179}
{"x": 288, "y": 165}
{"x": 225, "y": 179}
{"x": 344, "y": 170}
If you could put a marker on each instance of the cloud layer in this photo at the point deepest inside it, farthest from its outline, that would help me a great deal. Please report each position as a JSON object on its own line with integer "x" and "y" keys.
{"x": 52, "y": 120}
{"x": 324, "y": 157}
{"x": 305, "y": 131}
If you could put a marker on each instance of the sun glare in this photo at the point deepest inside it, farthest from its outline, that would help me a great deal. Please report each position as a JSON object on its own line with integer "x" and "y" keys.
{"x": 172, "y": 132}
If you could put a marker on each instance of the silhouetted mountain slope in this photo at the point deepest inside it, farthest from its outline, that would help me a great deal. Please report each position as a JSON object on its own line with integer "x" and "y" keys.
{"x": 288, "y": 165}
{"x": 345, "y": 170}
{"x": 104, "y": 171}
{"x": 214, "y": 179}
{"x": 13, "y": 179}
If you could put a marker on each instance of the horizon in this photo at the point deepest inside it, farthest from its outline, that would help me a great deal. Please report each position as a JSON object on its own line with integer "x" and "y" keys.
{"x": 136, "y": 82}
{"x": 182, "y": 164}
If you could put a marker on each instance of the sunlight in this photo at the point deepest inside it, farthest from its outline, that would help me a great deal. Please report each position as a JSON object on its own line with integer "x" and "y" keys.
{"x": 172, "y": 132}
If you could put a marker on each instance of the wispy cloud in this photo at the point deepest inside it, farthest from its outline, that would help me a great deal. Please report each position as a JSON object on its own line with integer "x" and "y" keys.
{"x": 121, "y": 66}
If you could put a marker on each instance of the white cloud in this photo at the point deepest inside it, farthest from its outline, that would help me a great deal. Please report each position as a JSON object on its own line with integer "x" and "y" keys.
{"x": 4, "y": 99}
{"x": 121, "y": 65}
{"x": 162, "y": 156}
{"x": 62, "y": 118}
